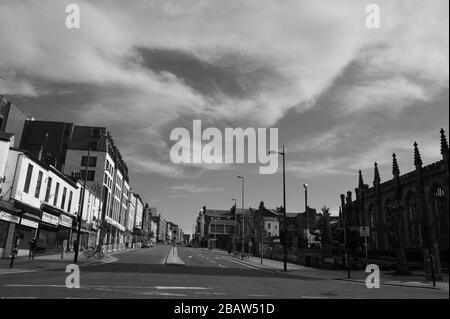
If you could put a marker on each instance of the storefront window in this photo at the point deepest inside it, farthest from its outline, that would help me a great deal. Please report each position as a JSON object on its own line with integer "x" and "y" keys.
{"x": 28, "y": 234}
{"x": 4, "y": 227}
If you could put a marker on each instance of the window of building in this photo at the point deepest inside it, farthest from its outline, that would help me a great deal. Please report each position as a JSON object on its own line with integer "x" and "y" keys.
{"x": 38, "y": 185}
{"x": 28, "y": 178}
{"x": 90, "y": 175}
{"x": 92, "y": 145}
{"x": 96, "y": 132}
{"x": 268, "y": 225}
{"x": 55, "y": 200}
{"x": 70, "y": 201}
{"x": 92, "y": 161}
{"x": 414, "y": 221}
{"x": 63, "y": 200}
{"x": 49, "y": 186}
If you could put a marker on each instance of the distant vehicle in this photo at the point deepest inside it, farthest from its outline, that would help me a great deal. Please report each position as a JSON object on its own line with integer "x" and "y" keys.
{"x": 145, "y": 245}
{"x": 188, "y": 245}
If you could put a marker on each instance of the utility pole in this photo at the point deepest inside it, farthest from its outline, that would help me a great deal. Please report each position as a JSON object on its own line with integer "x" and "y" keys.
{"x": 307, "y": 226}
{"x": 80, "y": 212}
{"x": 284, "y": 206}
{"x": 243, "y": 224}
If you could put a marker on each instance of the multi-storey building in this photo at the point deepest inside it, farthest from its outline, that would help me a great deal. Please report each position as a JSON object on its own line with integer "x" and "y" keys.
{"x": 131, "y": 211}
{"x": 41, "y": 203}
{"x": 12, "y": 121}
{"x": 47, "y": 137}
{"x": 106, "y": 174}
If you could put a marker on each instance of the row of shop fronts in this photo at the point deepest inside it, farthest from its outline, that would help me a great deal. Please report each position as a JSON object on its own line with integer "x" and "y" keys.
{"x": 54, "y": 230}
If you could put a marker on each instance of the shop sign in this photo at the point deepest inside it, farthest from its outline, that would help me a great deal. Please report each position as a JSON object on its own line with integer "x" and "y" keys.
{"x": 29, "y": 223}
{"x": 50, "y": 219}
{"x": 8, "y": 217}
{"x": 65, "y": 221}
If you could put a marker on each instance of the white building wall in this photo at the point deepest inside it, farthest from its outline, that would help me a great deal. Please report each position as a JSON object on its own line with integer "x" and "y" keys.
{"x": 139, "y": 212}
{"x": 4, "y": 150}
{"x": 131, "y": 212}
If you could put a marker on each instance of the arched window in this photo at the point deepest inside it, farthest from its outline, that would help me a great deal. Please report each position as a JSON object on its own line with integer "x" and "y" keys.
{"x": 440, "y": 211}
{"x": 373, "y": 226}
{"x": 414, "y": 220}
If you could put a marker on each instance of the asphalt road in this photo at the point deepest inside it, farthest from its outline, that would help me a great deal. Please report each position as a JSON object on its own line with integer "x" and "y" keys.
{"x": 142, "y": 273}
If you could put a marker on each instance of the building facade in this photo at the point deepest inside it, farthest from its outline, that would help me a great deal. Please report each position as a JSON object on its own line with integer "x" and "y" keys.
{"x": 407, "y": 216}
{"x": 44, "y": 203}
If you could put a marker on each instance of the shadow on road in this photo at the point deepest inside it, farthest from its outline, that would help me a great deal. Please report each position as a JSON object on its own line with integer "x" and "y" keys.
{"x": 188, "y": 270}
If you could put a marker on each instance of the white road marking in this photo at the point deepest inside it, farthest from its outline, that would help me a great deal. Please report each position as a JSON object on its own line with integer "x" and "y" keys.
{"x": 17, "y": 271}
{"x": 18, "y": 297}
{"x": 221, "y": 265}
{"x": 113, "y": 287}
{"x": 186, "y": 288}
{"x": 23, "y": 285}
{"x": 237, "y": 262}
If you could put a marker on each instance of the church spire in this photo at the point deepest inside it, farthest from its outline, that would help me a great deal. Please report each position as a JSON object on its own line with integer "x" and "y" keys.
{"x": 417, "y": 158}
{"x": 444, "y": 144}
{"x": 376, "y": 179}
{"x": 360, "y": 180}
{"x": 395, "y": 169}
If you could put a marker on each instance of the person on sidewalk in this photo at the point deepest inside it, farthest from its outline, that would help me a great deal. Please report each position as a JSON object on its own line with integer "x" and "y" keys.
{"x": 32, "y": 243}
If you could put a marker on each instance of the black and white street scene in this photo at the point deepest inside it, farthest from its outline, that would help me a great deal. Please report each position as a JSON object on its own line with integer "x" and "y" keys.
{"x": 240, "y": 149}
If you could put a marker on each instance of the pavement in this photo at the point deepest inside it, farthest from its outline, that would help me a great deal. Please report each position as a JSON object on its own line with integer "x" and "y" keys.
{"x": 417, "y": 279}
{"x": 203, "y": 274}
{"x": 53, "y": 261}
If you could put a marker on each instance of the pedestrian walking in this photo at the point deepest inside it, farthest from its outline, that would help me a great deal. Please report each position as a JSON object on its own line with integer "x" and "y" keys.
{"x": 32, "y": 243}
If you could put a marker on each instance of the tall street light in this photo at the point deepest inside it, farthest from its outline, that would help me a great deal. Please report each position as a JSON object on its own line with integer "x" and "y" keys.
{"x": 307, "y": 226}
{"x": 234, "y": 228}
{"x": 284, "y": 206}
{"x": 80, "y": 212}
{"x": 243, "y": 225}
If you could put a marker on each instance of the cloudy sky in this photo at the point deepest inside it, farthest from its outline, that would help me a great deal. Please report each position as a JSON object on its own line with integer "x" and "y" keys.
{"x": 341, "y": 95}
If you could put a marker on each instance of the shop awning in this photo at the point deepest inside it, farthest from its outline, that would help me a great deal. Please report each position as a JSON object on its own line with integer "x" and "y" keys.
{"x": 50, "y": 209}
{"x": 8, "y": 207}
{"x": 28, "y": 209}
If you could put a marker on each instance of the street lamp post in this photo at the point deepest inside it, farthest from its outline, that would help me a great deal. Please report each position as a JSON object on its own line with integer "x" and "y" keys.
{"x": 234, "y": 228}
{"x": 307, "y": 226}
{"x": 243, "y": 225}
{"x": 80, "y": 211}
{"x": 284, "y": 206}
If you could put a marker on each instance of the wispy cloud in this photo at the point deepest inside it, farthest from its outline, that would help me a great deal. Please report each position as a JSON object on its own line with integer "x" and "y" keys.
{"x": 246, "y": 63}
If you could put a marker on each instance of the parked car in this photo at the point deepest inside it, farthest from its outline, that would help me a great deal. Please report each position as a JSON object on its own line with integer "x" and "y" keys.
{"x": 145, "y": 245}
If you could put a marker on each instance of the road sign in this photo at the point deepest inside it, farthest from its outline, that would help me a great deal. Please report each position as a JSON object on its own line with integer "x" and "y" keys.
{"x": 364, "y": 231}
